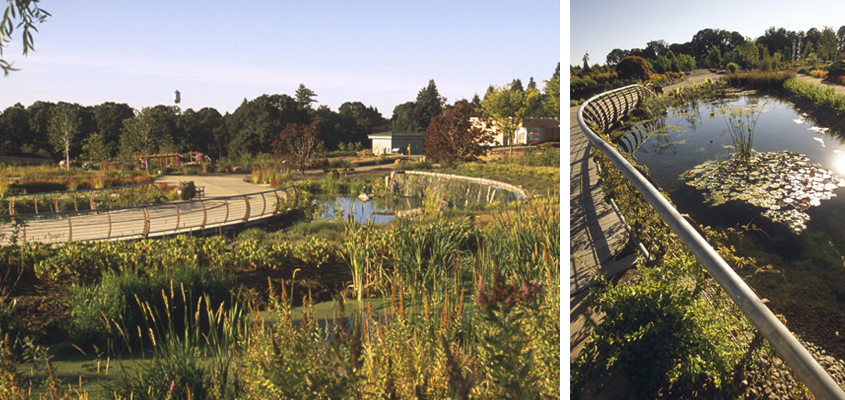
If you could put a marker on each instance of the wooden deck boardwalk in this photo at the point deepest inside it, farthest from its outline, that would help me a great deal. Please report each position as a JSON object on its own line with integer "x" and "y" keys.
{"x": 146, "y": 221}
{"x": 597, "y": 235}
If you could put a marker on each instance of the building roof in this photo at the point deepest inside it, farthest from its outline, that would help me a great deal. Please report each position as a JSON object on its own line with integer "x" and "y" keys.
{"x": 540, "y": 122}
{"x": 392, "y": 134}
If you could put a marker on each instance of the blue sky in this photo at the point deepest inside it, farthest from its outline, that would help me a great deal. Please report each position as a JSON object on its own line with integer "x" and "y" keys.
{"x": 599, "y": 26}
{"x": 219, "y": 53}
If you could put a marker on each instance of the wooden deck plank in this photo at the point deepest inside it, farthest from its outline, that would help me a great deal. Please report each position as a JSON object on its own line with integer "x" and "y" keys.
{"x": 597, "y": 236}
{"x": 128, "y": 223}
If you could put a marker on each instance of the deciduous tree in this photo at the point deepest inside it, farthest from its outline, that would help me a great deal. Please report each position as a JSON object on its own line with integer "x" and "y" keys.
{"x": 551, "y": 101}
{"x": 403, "y": 119}
{"x": 616, "y": 55}
{"x": 108, "y": 118}
{"x": 827, "y": 46}
{"x": 14, "y": 127}
{"x": 297, "y": 144}
{"x": 633, "y": 67}
{"x": 142, "y": 134}
{"x": 507, "y": 108}
{"x": 65, "y": 125}
{"x": 452, "y": 137}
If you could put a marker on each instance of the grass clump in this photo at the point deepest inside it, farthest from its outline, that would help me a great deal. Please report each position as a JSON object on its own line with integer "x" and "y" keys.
{"x": 819, "y": 96}
{"x": 765, "y": 80}
{"x": 96, "y": 308}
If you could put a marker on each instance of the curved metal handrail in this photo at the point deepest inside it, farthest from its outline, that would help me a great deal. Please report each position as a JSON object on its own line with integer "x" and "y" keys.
{"x": 144, "y": 221}
{"x": 787, "y": 346}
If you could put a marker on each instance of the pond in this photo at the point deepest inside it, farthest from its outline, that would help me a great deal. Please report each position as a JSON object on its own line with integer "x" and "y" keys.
{"x": 691, "y": 151}
{"x": 378, "y": 210}
{"x": 786, "y": 196}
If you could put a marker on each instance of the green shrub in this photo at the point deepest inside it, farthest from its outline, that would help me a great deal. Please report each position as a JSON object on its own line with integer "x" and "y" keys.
{"x": 545, "y": 157}
{"x": 329, "y": 184}
{"x": 823, "y": 97}
{"x": 576, "y": 83}
{"x": 732, "y": 67}
{"x": 836, "y": 70}
{"x": 633, "y": 67}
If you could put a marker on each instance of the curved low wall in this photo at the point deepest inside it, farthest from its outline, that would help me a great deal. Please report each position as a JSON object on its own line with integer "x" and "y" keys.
{"x": 457, "y": 189}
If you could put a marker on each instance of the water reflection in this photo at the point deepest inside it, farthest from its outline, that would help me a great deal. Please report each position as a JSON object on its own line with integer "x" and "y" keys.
{"x": 658, "y": 129}
{"x": 377, "y": 210}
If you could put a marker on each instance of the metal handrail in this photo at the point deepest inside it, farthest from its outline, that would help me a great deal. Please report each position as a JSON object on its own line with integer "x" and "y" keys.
{"x": 50, "y": 227}
{"x": 787, "y": 346}
{"x": 61, "y": 214}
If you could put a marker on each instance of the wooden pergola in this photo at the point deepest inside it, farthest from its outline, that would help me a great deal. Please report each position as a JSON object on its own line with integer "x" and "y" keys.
{"x": 168, "y": 159}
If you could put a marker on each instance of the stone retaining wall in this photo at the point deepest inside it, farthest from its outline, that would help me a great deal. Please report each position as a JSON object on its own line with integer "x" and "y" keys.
{"x": 458, "y": 190}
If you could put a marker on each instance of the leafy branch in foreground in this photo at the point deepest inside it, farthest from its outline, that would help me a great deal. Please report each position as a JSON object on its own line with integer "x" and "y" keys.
{"x": 28, "y": 13}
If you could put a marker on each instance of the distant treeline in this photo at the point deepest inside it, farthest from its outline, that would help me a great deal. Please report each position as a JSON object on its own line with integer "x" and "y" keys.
{"x": 714, "y": 48}
{"x": 115, "y": 130}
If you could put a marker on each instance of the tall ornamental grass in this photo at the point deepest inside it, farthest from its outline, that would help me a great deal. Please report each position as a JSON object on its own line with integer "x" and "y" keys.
{"x": 498, "y": 337}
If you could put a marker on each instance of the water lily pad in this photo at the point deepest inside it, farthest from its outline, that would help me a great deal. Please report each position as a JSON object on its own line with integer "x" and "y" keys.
{"x": 782, "y": 183}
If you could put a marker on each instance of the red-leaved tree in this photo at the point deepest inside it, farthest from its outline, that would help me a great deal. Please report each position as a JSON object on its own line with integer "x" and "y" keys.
{"x": 451, "y": 136}
{"x": 298, "y": 144}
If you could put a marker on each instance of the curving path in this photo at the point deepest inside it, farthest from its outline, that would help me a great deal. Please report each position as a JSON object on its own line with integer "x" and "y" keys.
{"x": 217, "y": 185}
{"x": 228, "y": 201}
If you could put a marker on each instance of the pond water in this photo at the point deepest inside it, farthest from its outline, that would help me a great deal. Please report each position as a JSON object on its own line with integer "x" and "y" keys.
{"x": 795, "y": 165}
{"x": 787, "y": 197}
{"x": 378, "y": 210}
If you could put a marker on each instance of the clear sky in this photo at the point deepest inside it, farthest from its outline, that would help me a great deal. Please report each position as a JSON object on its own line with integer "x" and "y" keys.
{"x": 219, "y": 53}
{"x": 599, "y": 26}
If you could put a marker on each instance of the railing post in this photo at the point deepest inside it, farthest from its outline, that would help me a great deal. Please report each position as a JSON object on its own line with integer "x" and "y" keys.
{"x": 264, "y": 206}
{"x": 69, "y": 229}
{"x": 108, "y": 214}
{"x": 278, "y": 204}
{"x": 146, "y": 231}
{"x": 246, "y": 214}
{"x": 616, "y": 112}
{"x": 176, "y": 206}
{"x": 12, "y": 205}
{"x": 204, "y": 215}
{"x": 226, "y": 201}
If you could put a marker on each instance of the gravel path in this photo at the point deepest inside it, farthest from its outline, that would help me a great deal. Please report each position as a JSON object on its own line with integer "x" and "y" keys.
{"x": 217, "y": 185}
{"x": 695, "y": 76}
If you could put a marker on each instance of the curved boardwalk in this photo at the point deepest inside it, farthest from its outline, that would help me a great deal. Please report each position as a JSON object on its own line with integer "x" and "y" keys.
{"x": 597, "y": 235}
{"x": 157, "y": 220}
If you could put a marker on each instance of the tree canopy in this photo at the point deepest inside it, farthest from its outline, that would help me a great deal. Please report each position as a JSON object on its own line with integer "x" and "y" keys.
{"x": 506, "y": 107}
{"x": 452, "y": 137}
{"x": 298, "y": 144}
{"x": 64, "y": 128}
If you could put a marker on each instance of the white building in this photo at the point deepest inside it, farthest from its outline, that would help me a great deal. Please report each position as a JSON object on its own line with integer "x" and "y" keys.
{"x": 397, "y": 142}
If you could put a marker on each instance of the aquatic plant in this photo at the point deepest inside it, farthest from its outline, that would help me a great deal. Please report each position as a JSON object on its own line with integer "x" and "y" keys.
{"x": 741, "y": 121}
{"x": 785, "y": 184}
